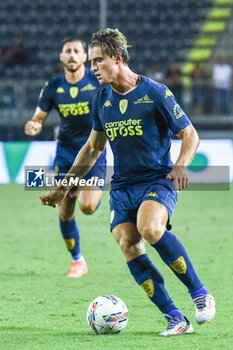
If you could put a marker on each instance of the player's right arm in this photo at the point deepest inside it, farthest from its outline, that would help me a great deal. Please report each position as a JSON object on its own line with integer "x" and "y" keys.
{"x": 34, "y": 126}
{"x": 45, "y": 103}
{"x": 84, "y": 161}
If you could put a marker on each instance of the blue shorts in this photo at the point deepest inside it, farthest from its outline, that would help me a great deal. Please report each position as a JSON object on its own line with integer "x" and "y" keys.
{"x": 65, "y": 157}
{"x": 124, "y": 203}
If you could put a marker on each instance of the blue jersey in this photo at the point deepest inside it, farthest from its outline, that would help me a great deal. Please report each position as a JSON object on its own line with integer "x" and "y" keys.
{"x": 139, "y": 126}
{"x": 73, "y": 103}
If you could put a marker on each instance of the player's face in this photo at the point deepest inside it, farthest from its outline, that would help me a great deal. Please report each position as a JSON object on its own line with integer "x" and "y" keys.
{"x": 73, "y": 56}
{"x": 104, "y": 67}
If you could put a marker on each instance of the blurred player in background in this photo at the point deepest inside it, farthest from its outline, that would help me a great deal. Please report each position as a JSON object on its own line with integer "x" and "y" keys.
{"x": 139, "y": 116}
{"x": 72, "y": 95}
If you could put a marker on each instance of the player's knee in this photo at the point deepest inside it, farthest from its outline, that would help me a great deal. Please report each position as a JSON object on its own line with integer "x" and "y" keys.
{"x": 88, "y": 208}
{"x": 131, "y": 248}
{"x": 124, "y": 245}
{"x": 151, "y": 232}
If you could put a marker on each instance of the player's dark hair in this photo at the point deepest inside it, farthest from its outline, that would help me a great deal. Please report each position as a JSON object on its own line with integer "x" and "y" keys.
{"x": 72, "y": 39}
{"x": 111, "y": 41}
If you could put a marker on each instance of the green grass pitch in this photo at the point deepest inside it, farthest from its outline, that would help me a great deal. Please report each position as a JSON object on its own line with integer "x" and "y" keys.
{"x": 40, "y": 308}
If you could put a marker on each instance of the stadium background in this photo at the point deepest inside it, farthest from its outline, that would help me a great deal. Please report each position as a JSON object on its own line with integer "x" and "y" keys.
{"x": 40, "y": 308}
{"x": 160, "y": 32}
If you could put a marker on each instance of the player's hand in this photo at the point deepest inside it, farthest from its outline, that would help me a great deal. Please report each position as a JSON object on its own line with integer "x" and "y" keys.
{"x": 53, "y": 197}
{"x": 179, "y": 177}
{"x": 32, "y": 128}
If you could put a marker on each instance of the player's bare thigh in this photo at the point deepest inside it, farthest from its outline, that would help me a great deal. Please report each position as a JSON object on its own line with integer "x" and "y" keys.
{"x": 88, "y": 198}
{"x": 152, "y": 220}
{"x": 129, "y": 240}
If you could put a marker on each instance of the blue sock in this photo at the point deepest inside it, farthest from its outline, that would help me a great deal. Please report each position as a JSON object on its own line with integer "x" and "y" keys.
{"x": 150, "y": 279}
{"x": 70, "y": 234}
{"x": 175, "y": 256}
{"x": 175, "y": 313}
{"x": 200, "y": 292}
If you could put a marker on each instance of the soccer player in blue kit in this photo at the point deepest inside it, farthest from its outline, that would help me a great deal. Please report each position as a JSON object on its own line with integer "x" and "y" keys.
{"x": 72, "y": 95}
{"x": 138, "y": 116}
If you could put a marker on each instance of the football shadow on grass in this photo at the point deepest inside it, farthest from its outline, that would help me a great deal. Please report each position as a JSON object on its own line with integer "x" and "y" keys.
{"x": 87, "y": 334}
{"x": 142, "y": 334}
{"x": 149, "y": 333}
{"x": 44, "y": 331}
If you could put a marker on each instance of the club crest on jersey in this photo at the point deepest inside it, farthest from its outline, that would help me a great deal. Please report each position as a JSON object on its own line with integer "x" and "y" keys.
{"x": 177, "y": 111}
{"x": 73, "y": 91}
{"x": 123, "y": 105}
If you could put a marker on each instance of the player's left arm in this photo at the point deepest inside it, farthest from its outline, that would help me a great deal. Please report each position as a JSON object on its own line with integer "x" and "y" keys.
{"x": 190, "y": 143}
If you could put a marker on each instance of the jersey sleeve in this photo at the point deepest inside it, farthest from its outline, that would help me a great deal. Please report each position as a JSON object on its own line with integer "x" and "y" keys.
{"x": 45, "y": 101}
{"x": 171, "y": 111}
{"x": 96, "y": 124}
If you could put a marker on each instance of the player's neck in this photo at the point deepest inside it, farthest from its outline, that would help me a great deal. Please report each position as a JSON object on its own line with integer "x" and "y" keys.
{"x": 126, "y": 81}
{"x": 75, "y": 77}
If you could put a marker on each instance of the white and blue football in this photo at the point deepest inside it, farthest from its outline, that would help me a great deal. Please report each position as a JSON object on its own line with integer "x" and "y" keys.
{"x": 107, "y": 314}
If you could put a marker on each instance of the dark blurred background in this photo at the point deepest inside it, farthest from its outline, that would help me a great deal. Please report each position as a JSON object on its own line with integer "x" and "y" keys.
{"x": 186, "y": 44}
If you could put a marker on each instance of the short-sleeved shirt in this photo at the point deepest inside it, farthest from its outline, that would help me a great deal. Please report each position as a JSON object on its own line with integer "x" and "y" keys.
{"x": 139, "y": 126}
{"x": 73, "y": 103}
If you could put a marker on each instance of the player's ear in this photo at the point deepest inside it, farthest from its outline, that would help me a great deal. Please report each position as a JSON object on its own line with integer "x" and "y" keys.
{"x": 60, "y": 56}
{"x": 118, "y": 57}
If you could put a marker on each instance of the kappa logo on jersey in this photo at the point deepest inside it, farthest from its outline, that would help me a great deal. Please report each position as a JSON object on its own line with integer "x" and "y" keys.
{"x": 123, "y": 128}
{"x": 152, "y": 194}
{"x": 73, "y": 91}
{"x": 88, "y": 87}
{"x": 177, "y": 111}
{"x": 123, "y": 105}
{"x": 60, "y": 90}
{"x": 35, "y": 178}
{"x": 144, "y": 99}
{"x": 107, "y": 104}
{"x": 168, "y": 93}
